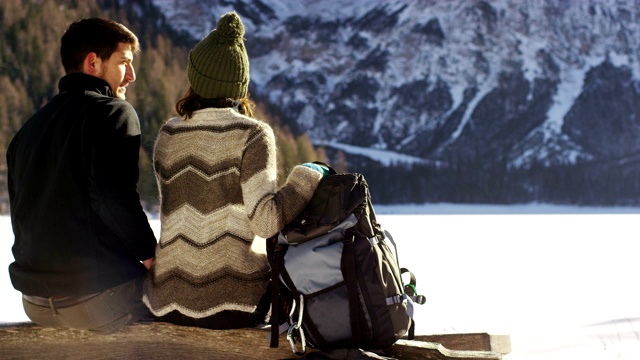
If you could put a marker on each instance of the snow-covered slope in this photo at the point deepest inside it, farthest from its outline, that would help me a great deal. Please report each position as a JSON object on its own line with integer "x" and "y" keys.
{"x": 553, "y": 81}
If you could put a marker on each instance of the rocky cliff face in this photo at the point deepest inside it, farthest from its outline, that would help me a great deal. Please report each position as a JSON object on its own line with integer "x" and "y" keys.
{"x": 545, "y": 82}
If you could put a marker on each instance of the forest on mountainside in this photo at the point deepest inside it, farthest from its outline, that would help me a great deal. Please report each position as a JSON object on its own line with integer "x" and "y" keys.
{"x": 30, "y": 68}
{"x": 495, "y": 182}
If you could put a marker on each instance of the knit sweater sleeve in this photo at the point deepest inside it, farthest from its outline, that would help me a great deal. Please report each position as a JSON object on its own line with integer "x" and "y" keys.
{"x": 270, "y": 208}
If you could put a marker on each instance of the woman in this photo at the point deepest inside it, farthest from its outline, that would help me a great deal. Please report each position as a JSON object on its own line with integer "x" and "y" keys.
{"x": 216, "y": 171}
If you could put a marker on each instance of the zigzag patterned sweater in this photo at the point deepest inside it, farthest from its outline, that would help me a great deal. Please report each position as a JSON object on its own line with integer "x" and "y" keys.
{"x": 217, "y": 178}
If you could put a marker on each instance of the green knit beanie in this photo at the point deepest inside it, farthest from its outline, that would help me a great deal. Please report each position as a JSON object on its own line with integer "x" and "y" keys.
{"x": 218, "y": 66}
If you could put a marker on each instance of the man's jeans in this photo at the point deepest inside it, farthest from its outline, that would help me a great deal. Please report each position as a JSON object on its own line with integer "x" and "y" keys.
{"x": 107, "y": 312}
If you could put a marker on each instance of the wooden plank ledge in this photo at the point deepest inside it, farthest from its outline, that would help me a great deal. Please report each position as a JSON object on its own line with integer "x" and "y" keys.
{"x": 157, "y": 340}
{"x": 471, "y": 341}
{"x": 411, "y": 349}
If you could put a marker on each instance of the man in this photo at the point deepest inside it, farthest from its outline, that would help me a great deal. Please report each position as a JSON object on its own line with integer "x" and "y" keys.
{"x": 82, "y": 240}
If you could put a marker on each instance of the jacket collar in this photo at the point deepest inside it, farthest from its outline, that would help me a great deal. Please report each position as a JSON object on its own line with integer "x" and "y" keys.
{"x": 84, "y": 82}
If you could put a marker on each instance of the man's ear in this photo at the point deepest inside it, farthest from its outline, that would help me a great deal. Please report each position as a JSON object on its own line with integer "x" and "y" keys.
{"x": 92, "y": 64}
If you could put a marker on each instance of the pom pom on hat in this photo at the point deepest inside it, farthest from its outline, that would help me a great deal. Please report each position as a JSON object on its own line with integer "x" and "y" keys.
{"x": 229, "y": 29}
{"x": 218, "y": 66}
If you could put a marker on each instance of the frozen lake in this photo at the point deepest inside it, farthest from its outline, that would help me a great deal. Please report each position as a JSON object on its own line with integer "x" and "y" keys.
{"x": 561, "y": 281}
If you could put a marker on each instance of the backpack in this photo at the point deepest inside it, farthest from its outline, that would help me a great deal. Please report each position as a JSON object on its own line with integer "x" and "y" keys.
{"x": 335, "y": 276}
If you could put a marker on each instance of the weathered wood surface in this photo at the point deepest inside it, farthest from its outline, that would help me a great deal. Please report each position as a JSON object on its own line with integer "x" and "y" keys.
{"x": 166, "y": 341}
{"x": 474, "y": 341}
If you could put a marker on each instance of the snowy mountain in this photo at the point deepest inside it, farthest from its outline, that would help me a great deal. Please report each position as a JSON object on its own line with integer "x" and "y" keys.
{"x": 552, "y": 80}
{"x": 517, "y": 81}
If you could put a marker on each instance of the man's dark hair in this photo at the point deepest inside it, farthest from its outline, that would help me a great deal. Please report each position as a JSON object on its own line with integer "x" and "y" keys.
{"x": 93, "y": 35}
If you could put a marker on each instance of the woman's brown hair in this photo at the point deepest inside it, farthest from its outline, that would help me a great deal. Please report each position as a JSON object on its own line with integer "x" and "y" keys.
{"x": 191, "y": 102}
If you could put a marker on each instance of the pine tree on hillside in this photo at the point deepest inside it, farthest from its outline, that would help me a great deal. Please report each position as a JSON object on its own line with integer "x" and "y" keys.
{"x": 30, "y": 68}
{"x": 29, "y": 62}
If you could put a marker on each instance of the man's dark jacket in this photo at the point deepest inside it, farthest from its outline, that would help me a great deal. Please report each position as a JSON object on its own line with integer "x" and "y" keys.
{"x": 73, "y": 169}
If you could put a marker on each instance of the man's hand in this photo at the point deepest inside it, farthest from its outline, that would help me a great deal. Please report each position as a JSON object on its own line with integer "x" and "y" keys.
{"x": 147, "y": 263}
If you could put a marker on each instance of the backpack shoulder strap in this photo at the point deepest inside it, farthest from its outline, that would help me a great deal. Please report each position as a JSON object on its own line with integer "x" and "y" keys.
{"x": 351, "y": 280}
{"x": 276, "y": 261}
